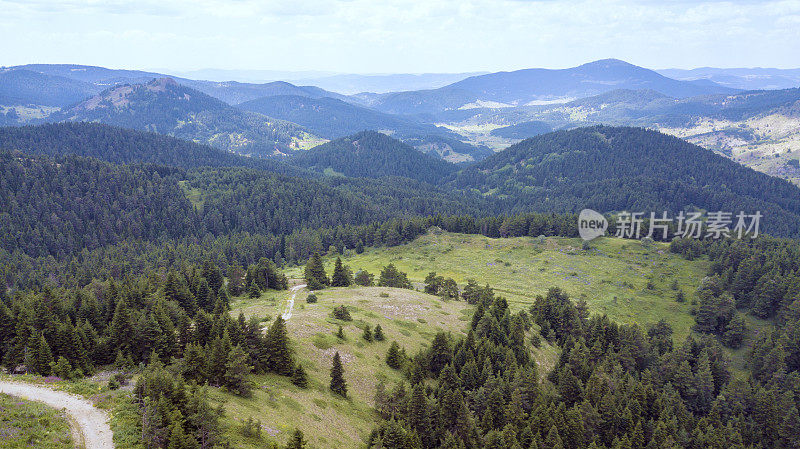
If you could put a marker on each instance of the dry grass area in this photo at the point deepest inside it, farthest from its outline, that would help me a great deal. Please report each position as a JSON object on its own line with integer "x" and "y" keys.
{"x": 409, "y": 317}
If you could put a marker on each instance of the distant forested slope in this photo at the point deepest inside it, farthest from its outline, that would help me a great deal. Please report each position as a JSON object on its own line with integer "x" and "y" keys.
{"x": 126, "y": 146}
{"x": 621, "y": 168}
{"x": 371, "y": 154}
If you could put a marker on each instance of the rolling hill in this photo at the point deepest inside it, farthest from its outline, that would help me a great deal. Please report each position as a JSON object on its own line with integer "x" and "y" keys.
{"x": 371, "y": 154}
{"x": 755, "y": 78}
{"x": 165, "y": 107}
{"x": 620, "y": 168}
{"x": 332, "y": 118}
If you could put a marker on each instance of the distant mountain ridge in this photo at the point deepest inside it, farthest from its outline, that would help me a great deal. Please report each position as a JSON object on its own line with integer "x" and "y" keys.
{"x": 26, "y": 87}
{"x": 755, "y": 78}
{"x": 231, "y": 92}
{"x": 524, "y": 86}
{"x": 164, "y": 106}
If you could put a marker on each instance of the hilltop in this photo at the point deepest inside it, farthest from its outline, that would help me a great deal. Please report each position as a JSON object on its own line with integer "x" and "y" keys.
{"x": 371, "y": 154}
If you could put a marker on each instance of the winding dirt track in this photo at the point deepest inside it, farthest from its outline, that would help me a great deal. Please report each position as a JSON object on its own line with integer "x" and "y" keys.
{"x": 89, "y": 422}
{"x": 290, "y": 305}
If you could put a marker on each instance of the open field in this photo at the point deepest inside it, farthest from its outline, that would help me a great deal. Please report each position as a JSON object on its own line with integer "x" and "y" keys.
{"x": 27, "y": 424}
{"x": 612, "y": 277}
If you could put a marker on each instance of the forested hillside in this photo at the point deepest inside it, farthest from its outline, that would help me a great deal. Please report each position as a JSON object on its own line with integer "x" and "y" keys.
{"x": 165, "y": 107}
{"x": 371, "y": 154}
{"x": 126, "y": 146}
{"x": 614, "y": 169}
{"x": 60, "y": 206}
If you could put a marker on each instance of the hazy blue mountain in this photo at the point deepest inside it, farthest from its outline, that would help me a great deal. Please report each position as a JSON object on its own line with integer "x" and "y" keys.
{"x": 350, "y": 84}
{"x": 26, "y": 87}
{"x": 756, "y": 78}
{"x": 233, "y": 92}
{"x": 371, "y": 154}
{"x": 522, "y": 87}
{"x": 166, "y": 107}
{"x": 92, "y": 74}
{"x": 589, "y": 79}
{"x": 420, "y": 101}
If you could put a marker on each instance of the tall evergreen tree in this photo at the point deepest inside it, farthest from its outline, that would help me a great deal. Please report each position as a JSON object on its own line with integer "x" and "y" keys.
{"x": 314, "y": 273}
{"x": 342, "y": 276}
{"x": 338, "y": 384}
{"x": 276, "y": 349}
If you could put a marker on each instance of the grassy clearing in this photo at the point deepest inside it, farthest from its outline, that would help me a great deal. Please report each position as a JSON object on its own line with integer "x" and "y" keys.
{"x": 26, "y": 424}
{"x": 612, "y": 277}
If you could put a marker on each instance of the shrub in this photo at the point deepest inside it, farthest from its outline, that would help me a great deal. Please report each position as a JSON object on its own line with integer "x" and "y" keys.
{"x": 311, "y": 299}
{"x": 341, "y": 313}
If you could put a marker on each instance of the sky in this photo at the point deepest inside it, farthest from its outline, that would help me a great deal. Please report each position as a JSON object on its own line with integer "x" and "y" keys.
{"x": 398, "y": 36}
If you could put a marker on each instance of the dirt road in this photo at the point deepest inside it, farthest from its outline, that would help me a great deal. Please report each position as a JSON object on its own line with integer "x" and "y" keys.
{"x": 90, "y": 424}
{"x": 290, "y": 305}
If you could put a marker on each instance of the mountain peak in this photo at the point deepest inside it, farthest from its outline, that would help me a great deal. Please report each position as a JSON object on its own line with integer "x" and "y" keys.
{"x": 162, "y": 83}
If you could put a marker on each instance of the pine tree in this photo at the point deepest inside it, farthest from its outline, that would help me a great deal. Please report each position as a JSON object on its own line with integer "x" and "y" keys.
{"x": 340, "y": 333}
{"x": 252, "y": 290}
{"x": 367, "y": 335}
{"x": 393, "y": 357}
{"x": 379, "y": 333}
{"x": 122, "y": 332}
{"x": 338, "y": 384}
{"x": 218, "y": 359}
{"x": 299, "y": 377}
{"x": 237, "y": 371}
{"x": 341, "y": 275}
{"x": 314, "y": 274}
{"x": 61, "y": 368}
{"x": 553, "y": 440}
{"x": 440, "y": 353}
{"x": 212, "y": 274}
{"x": 42, "y": 355}
{"x": 277, "y": 352}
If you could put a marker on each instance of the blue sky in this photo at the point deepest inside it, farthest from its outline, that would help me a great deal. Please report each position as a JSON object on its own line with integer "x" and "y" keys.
{"x": 385, "y": 36}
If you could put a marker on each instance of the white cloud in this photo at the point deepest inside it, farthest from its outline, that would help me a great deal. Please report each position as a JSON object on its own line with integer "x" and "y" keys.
{"x": 399, "y": 35}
